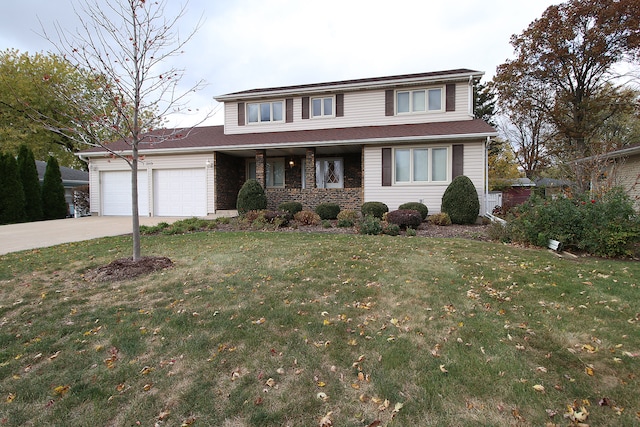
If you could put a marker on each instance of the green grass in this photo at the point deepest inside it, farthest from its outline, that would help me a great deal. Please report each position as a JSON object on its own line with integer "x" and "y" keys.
{"x": 362, "y": 319}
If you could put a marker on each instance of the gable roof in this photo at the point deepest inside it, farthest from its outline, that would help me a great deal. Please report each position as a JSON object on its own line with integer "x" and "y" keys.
{"x": 72, "y": 176}
{"x": 213, "y": 138}
{"x": 355, "y": 84}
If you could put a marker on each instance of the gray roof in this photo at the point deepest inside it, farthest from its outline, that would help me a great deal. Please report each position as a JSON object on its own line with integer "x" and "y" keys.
{"x": 72, "y": 176}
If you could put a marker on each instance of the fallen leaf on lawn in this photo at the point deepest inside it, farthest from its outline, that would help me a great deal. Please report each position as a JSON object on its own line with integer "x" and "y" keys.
{"x": 147, "y": 387}
{"x": 443, "y": 369}
{"x": 384, "y": 406}
{"x": 376, "y": 400}
{"x": 321, "y": 384}
{"x": 326, "y": 420}
{"x": 280, "y": 371}
{"x": 163, "y": 415}
{"x": 61, "y": 390}
{"x": 189, "y": 421}
{"x": 54, "y": 355}
{"x": 360, "y": 376}
{"x": 322, "y": 396}
{"x": 258, "y": 401}
{"x": 363, "y": 398}
{"x": 376, "y": 423}
{"x": 146, "y": 370}
{"x": 355, "y": 386}
{"x": 539, "y": 388}
{"x": 397, "y": 407}
{"x": 541, "y": 369}
{"x": 260, "y": 321}
{"x": 589, "y": 371}
{"x": 270, "y": 382}
{"x": 10, "y": 398}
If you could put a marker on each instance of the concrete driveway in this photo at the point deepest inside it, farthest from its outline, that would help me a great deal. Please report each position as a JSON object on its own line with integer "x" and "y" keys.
{"x": 19, "y": 237}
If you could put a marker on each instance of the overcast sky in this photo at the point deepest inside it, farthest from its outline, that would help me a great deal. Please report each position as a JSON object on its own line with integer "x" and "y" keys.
{"x": 249, "y": 44}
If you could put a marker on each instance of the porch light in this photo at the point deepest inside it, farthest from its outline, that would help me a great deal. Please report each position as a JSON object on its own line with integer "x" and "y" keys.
{"x": 291, "y": 163}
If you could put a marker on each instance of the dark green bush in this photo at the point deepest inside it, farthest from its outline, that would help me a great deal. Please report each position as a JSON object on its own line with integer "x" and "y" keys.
{"x": 392, "y": 229}
{"x": 54, "y": 205}
{"x": 376, "y": 209}
{"x": 11, "y": 193}
{"x": 606, "y": 225}
{"x": 328, "y": 210}
{"x": 291, "y": 207}
{"x": 251, "y": 197}
{"x": 345, "y": 223}
{"x": 405, "y": 218}
{"x": 370, "y": 225}
{"x": 416, "y": 206}
{"x": 460, "y": 201}
{"x": 440, "y": 219}
{"x": 28, "y": 174}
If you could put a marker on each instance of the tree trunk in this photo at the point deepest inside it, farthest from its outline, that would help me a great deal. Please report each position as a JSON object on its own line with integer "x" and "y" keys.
{"x": 135, "y": 219}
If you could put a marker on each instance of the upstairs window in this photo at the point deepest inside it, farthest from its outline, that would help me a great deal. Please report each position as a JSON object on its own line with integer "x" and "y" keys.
{"x": 322, "y": 107}
{"x": 265, "y": 112}
{"x": 419, "y": 101}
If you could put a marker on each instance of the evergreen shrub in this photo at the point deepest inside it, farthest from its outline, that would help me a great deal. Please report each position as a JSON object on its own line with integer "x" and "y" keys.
{"x": 460, "y": 201}
{"x": 405, "y": 218}
{"x": 328, "y": 210}
{"x": 251, "y": 197}
{"x": 416, "y": 206}
{"x": 375, "y": 209}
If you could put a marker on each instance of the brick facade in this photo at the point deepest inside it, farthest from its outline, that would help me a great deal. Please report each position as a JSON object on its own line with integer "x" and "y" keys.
{"x": 230, "y": 174}
{"x": 346, "y": 198}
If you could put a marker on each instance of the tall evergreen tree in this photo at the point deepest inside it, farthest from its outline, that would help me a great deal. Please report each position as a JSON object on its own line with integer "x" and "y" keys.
{"x": 11, "y": 194}
{"x": 30, "y": 184}
{"x": 54, "y": 206}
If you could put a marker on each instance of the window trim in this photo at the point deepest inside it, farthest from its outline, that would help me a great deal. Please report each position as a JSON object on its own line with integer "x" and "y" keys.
{"x": 430, "y": 180}
{"x": 319, "y": 163}
{"x": 282, "y": 102}
{"x": 426, "y": 90}
{"x": 322, "y": 115}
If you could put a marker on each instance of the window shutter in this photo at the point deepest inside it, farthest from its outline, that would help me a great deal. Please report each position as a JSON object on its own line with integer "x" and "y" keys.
{"x": 458, "y": 160}
{"x": 386, "y": 167}
{"x": 305, "y": 107}
{"x": 289, "y": 110}
{"x": 451, "y": 97}
{"x": 388, "y": 102}
{"x": 340, "y": 105}
{"x": 241, "y": 120}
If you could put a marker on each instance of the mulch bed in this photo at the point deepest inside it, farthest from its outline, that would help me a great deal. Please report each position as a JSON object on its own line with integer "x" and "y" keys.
{"x": 126, "y": 268}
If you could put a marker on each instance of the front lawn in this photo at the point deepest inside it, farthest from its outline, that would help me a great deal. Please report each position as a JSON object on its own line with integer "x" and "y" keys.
{"x": 305, "y": 329}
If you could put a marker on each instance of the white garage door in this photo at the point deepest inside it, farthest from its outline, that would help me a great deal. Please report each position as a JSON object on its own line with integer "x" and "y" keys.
{"x": 116, "y": 193}
{"x": 180, "y": 192}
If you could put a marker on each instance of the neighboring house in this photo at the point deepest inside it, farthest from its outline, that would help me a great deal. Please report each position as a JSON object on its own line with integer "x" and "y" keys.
{"x": 71, "y": 178}
{"x": 518, "y": 193}
{"x": 622, "y": 169}
{"x": 392, "y": 139}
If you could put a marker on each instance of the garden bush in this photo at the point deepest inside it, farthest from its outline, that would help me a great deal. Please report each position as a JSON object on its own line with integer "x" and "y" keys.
{"x": 460, "y": 201}
{"x": 440, "y": 219}
{"x": 376, "y": 209}
{"x": 349, "y": 215}
{"x": 370, "y": 225}
{"x": 328, "y": 210}
{"x": 392, "y": 229}
{"x": 345, "y": 223}
{"x": 405, "y": 218}
{"x": 306, "y": 217}
{"x": 604, "y": 225}
{"x": 251, "y": 197}
{"x": 291, "y": 207}
{"x": 416, "y": 206}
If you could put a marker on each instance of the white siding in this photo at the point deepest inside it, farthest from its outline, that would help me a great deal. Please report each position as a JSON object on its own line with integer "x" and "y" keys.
{"x": 364, "y": 108}
{"x": 429, "y": 194}
{"x": 151, "y": 163}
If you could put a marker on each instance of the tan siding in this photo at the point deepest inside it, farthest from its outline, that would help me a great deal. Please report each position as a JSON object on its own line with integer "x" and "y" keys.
{"x": 628, "y": 176}
{"x": 365, "y": 108}
{"x": 431, "y": 194}
{"x": 149, "y": 164}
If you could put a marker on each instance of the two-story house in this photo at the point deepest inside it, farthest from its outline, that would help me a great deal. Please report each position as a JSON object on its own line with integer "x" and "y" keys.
{"x": 391, "y": 139}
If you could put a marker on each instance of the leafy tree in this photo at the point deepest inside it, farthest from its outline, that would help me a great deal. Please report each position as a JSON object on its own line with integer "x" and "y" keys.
{"x": 30, "y": 184}
{"x": 484, "y": 103}
{"x": 128, "y": 49}
{"x": 27, "y": 93}
{"x": 566, "y": 63}
{"x": 503, "y": 167}
{"x": 54, "y": 205}
{"x": 11, "y": 194}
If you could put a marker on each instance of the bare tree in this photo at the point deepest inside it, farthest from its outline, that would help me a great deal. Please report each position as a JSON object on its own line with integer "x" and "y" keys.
{"x": 127, "y": 46}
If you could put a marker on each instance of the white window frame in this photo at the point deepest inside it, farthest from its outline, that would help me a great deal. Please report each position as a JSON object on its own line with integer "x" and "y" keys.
{"x": 260, "y": 119}
{"x": 271, "y": 163}
{"x": 430, "y": 168}
{"x": 426, "y": 91}
{"x": 321, "y": 167}
{"x": 322, "y": 105}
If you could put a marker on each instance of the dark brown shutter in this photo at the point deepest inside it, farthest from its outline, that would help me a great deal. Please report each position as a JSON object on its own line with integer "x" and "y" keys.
{"x": 339, "y": 104}
{"x": 388, "y": 102}
{"x": 241, "y": 121}
{"x": 451, "y": 97}
{"x": 386, "y": 167}
{"x": 458, "y": 160}
{"x": 289, "y": 110}
{"x": 305, "y": 107}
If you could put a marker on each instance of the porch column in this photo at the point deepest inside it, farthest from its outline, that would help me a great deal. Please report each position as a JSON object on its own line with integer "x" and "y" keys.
{"x": 261, "y": 167}
{"x": 310, "y": 169}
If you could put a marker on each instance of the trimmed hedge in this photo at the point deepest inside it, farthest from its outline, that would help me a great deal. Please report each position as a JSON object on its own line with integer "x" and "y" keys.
{"x": 405, "y": 218}
{"x": 251, "y": 197}
{"x": 328, "y": 210}
{"x": 291, "y": 207}
{"x": 460, "y": 201}
{"x": 375, "y": 209}
{"x": 416, "y": 206}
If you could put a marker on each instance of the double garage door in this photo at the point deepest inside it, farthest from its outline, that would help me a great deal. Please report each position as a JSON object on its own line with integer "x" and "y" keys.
{"x": 176, "y": 192}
